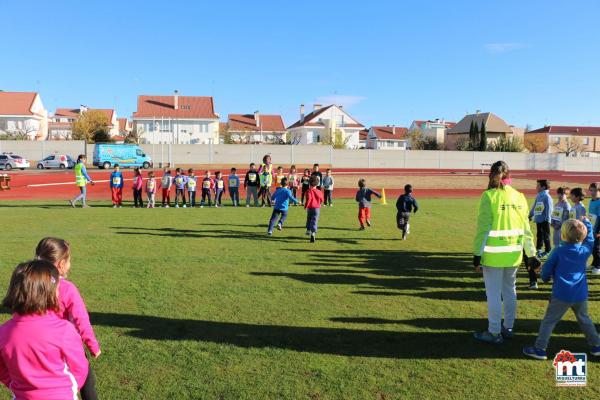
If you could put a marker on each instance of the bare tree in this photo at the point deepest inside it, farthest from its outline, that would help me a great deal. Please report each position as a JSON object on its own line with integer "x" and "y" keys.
{"x": 570, "y": 146}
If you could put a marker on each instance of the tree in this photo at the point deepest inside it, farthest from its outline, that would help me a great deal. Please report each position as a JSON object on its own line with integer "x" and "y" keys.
{"x": 89, "y": 124}
{"x": 475, "y": 141}
{"x": 463, "y": 144}
{"x": 101, "y": 136}
{"x": 536, "y": 142}
{"x": 418, "y": 141}
{"x": 132, "y": 137}
{"x": 472, "y": 134}
{"x": 570, "y": 146}
{"x": 336, "y": 139}
{"x": 483, "y": 138}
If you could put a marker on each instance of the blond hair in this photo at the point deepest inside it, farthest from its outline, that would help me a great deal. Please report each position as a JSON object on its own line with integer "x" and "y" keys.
{"x": 573, "y": 231}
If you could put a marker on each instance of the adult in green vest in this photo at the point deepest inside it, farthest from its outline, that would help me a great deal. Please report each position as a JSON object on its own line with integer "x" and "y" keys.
{"x": 503, "y": 234}
{"x": 81, "y": 180}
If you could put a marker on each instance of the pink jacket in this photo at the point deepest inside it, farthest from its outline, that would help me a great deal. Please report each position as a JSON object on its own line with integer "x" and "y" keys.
{"x": 72, "y": 308}
{"x": 138, "y": 182}
{"x": 41, "y": 358}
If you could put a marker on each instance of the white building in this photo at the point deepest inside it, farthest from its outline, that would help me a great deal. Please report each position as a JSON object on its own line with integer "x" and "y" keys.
{"x": 434, "y": 129}
{"x": 60, "y": 126}
{"x": 387, "y": 138}
{"x": 23, "y": 113}
{"x": 325, "y": 123}
{"x": 176, "y": 119}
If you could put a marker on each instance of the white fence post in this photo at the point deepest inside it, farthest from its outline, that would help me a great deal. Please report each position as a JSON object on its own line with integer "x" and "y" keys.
{"x": 369, "y": 158}
{"x": 330, "y": 155}
{"x": 291, "y": 154}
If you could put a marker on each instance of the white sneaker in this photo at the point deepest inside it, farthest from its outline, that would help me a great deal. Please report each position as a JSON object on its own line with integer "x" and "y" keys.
{"x": 114, "y": 206}
{"x": 247, "y": 205}
{"x": 184, "y": 206}
{"x": 167, "y": 206}
{"x": 595, "y": 271}
{"x": 176, "y": 205}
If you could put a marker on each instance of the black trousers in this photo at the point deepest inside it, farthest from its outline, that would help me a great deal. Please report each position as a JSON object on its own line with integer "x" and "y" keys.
{"x": 596, "y": 253}
{"x": 206, "y": 196}
{"x": 88, "y": 390}
{"x": 543, "y": 236}
{"x": 532, "y": 274}
{"x": 327, "y": 199}
{"x": 137, "y": 198}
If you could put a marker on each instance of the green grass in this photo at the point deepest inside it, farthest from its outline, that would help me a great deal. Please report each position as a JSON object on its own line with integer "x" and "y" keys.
{"x": 200, "y": 304}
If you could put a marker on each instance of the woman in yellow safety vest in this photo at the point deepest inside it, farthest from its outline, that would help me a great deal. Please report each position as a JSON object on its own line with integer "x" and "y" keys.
{"x": 503, "y": 233}
{"x": 81, "y": 180}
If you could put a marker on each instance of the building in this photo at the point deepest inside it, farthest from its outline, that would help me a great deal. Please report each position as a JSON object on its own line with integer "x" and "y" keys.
{"x": 176, "y": 119}
{"x": 433, "y": 129}
{"x": 563, "y": 139}
{"x": 23, "y": 113}
{"x": 362, "y": 138}
{"x": 256, "y": 128}
{"x": 389, "y": 137}
{"x": 495, "y": 127}
{"x": 60, "y": 126}
{"x": 326, "y": 125}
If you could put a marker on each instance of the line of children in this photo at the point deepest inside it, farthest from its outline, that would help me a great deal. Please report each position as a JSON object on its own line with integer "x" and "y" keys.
{"x": 363, "y": 197}
{"x": 282, "y": 197}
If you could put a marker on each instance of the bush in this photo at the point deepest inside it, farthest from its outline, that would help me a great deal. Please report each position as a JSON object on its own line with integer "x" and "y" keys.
{"x": 507, "y": 145}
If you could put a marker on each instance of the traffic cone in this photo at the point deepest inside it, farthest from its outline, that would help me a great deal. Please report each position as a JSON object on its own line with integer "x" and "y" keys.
{"x": 383, "y": 201}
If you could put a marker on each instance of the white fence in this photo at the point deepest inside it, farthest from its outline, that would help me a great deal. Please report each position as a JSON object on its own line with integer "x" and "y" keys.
{"x": 241, "y": 155}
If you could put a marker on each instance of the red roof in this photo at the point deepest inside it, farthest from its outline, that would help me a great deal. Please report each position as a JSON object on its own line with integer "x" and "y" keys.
{"x": 163, "y": 106}
{"x": 75, "y": 113}
{"x": 390, "y": 133}
{"x": 246, "y": 122}
{"x": 16, "y": 103}
{"x": 309, "y": 116}
{"x": 570, "y": 130}
{"x": 362, "y": 135}
{"x": 123, "y": 125}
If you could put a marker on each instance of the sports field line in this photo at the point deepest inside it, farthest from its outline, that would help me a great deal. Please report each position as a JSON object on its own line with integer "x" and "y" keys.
{"x": 69, "y": 183}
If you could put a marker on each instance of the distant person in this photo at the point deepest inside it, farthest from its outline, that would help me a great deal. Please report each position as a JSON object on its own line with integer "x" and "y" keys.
{"x": 233, "y": 182}
{"x": 266, "y": 165}
{"x": 281, "y": 199}
{"x": 251, "y": 185}
{"x": 137, "y": 185}
{"x": 566, "y": 267}
{"x": 41, "y": 354}
{"x": 191, "y": 184}
{"x": 264, "y": 194}
{"x": 279, "y": 175}
{"x": 318, "y": 174}
{"x": 180, "y": 182}
{"x": 314, "y": 198}
{"x": 503, "y": 232}
{"x": 541, "y": 213}
{"x": 305, "y": 182}
{"x": 72, "y": 307}
{"x": 577, "y": 209}
{"x": 363, "y": 197}
{"x": 328, "y": 183}
{"x": 594, "y": 214}
{"x": 166, "y": 182}
{"x": 405, "y": 204}
{"x": 81, "y": 180}
{"x": 116, "y": 187}
{"x": 293, "y": 181}
{"x": 151, "y": 190}
{"x": 560, "y": 213}
{"x": 208, "y": 185}
{"x": 219, "y": 189}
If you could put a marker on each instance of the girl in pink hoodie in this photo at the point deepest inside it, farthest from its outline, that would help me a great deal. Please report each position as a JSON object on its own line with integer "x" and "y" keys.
{"x": 138, "y": 184}
{"x": 72, "y": 308}
{"x": 41, "y": 356}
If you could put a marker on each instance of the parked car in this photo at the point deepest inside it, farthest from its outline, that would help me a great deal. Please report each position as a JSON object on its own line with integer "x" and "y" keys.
{"x": 9, "y": 161}
{"x": 56, "y": 161}
{"x": 126, "y": 155}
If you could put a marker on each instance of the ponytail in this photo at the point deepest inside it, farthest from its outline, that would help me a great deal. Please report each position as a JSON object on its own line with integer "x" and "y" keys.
{"x": 498, "y": 173}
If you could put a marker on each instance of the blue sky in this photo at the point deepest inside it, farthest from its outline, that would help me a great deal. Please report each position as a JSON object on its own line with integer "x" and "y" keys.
{"x": 388, "y": 62}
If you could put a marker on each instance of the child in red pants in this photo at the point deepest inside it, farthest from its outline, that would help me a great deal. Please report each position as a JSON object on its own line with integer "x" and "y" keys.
{"x": 363, "y": 197}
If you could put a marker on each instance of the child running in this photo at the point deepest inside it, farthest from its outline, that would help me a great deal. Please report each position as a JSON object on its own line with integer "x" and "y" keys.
{"x": 560, "y": 213}
{"x": 404, "y": 205}
{"x": 151, "y": 190}
{"x": 138, "y": 185}
{"x": 41, "y": 356}
{"x": 314, "y": 198}
{"x": 293, "y": 181}
{"x": 328, "y": 187}
{"x": 251, "y": 185}
{"x": 594, "y": 215}
{"x": 219, "y": 189}
{"x": 208, "y": 185}
{"x": 541, "y": 214}
{"x": 166, "y": 182}
{"x": 305, "y": 181}
{"x": 192, "y": 183}
{"x": 72, "y": 307}
{"x": 180, "y": 184}
{"x": 281, "y": 198}
{"x": 566, "y": 267}
{"x": 363, "y": 197}
{"x": 233, "y": 182}
{"x": 116, "y": 187}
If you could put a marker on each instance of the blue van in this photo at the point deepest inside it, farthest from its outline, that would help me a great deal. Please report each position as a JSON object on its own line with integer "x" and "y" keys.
{"x": 126, "y": 155}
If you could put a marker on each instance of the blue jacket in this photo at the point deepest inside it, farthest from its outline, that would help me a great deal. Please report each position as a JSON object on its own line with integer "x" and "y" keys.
{"x": 542, "y": 207}
{"x": 566, "y": 266}
{"x": 282, "y": 198}
{"x": 114, "y": 177}
{"x": 594, "y": 213}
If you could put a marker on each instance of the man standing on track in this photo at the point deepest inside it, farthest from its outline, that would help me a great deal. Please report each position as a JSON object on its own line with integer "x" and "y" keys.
{"x": 81, "y": 180}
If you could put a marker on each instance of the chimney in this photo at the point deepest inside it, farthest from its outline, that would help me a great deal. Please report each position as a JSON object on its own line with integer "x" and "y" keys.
{"x": 82, "y": 109}
{"x": 393, "y": 129}
{"x": 477, "y": 111}
{"x": 301, "y": 112}
{"x": 341, "y": 107}
{"x": 316, "y": 107}
{"x": 176, "y": 100}
{"x": 257, "y": 118}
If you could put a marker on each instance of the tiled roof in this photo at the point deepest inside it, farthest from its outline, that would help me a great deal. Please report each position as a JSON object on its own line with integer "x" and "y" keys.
{"x": 246, "y": 122}
{"x": 390, "y": 133}
{"x": 493, "y": 124}
{"x": 75, "y": 113}
{"x": 163, "y": 106}
{"x": 569, "y": 130}
{"x": 16, "y": 103}
{"x": 309, "y": 116}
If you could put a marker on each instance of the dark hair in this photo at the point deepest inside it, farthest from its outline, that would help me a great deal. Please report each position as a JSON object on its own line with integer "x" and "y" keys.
{"x": 284, "y": 182}
{"x": 578, "y": 193}
{"x": 562, "y": 190}
{"x": 593, "y": 185}
{"x": 53, "y": 249}
{"x": 190, "y": 170}
{"x": 81, "y": 157}
{"x": 136, "y": 171}
{"x": 178, "y": 170}
{"x": 328, "y": 170}
{"x": 498, "y": 172}
{"x": 151, "y": 174}
{"x": 293, "y": 166}
{"x": 407, "y": 188}
{"x": 217, "y": 173}
{"x": 362, "y": 183}
{"x": 314, "y": 180}
{"x": 544, "y": 183}
{"x": 265, "y": 158}
{"x": 280, "y": 167}
{"x": 252, "y": 164}
{"x": 116, "y": 165}
{"x": 315, "y": 165}
{"x": 233, "y": 169}
{"x": 306, "y": 170}
{"x": 33, "y": 288}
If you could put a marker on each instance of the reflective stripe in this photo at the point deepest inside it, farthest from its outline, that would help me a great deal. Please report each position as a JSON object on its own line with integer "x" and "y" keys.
{"x": 507, "y": 233}
{"x": 67, "y": 372}
{"x": 503, "y": 249}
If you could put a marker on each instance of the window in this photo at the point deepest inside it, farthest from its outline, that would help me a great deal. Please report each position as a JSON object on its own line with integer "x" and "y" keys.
{"x": 555, "y": 139}
{"x": 139, "y": 153}
{"x": 586, "y": 140}
{"x": 3, "y": 158}
{"x": 49, "y": 158}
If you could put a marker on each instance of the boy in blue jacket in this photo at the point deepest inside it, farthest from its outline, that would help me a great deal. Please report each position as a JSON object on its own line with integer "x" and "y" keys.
{"x": 594, "y": 213}
{"x": 566, "y": 266}
{"x": 281, "y": 198}
{"x": 541, "y": 213}
{"x": 116, "y": 187}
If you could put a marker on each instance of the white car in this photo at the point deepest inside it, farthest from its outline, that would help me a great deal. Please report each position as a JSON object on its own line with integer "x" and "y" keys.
{"x": 9, "y": 161}
{"x": 61, "y": 161}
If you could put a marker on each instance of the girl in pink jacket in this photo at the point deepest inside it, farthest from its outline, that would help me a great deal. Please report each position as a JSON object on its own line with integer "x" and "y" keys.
{"x": 71, "y": 305}
{"x": 138, "y": 184}
{"x": 41, "y": 356}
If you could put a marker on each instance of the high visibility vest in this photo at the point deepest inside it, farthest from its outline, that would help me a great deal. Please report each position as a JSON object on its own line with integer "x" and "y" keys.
{"x": 79, "y": 177}
{"x": 503, "y": 230}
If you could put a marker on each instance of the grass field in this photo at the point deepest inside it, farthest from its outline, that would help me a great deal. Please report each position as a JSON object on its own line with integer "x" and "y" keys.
{"x": 200, "y": 304}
